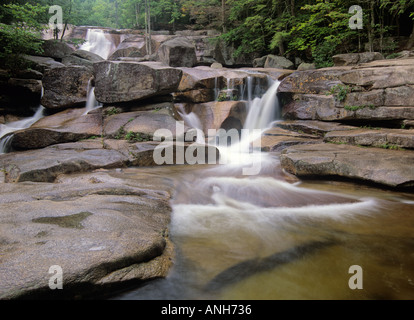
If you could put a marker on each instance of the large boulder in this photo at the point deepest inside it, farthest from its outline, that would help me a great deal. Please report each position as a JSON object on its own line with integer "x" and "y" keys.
{"x": 178, "y": 52}
{"x": 311, "y": 81}
{"x": 259, "y": 62}
{"x": 139, "y": 125}
{"x": 66, "y": 126}
{"x": 218, "y": 115}
{"x": 278, "y": 62}
{"x": 82, "y": 58}
{"x": 104, "y": 232}
{"x": 56, "y": 49}
{"x": 117, "y": 81}
{"x": 66, "y": 87}
{"x": 373, "y": 77}
{"x": 20, "y": 93}
{"x": 351, "y": 59}
{"x": 391, "y": 168}
{"x": 42, "y": 64}
{"x": 377, "y": 137}
{"x": 134, "y": 46}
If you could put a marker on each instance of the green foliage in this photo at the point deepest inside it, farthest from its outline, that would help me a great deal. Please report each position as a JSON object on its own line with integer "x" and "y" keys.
{"x": 390, "y": 146}
{"x": 340, "y": 92}
{"x": 356, "y": 108}
{"x": 137, "y": 137}
{"x": 21, "y": 36}
{"x": 112, "y": 111}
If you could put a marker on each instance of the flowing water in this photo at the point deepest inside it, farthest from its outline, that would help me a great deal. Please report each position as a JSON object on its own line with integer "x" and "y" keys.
{"x": 6, "y": 130}
{"x": 97, "y": 42}
{"x": 268, "y": 236}
{"x": 91, "y": 102}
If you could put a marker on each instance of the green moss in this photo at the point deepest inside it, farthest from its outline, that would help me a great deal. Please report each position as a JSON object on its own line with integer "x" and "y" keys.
{"x": 356, "y": 108}
{"x": 390, "y": 146}
{"x": 112, "y": 111}
{"x": 339, "y": 91}
{"x": 137, "y": 137}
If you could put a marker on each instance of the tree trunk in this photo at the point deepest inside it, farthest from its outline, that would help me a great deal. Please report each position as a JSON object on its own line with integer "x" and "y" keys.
{"x": 223, "y": 15}
{"x": 66, "y": 22}
{"x": 410, "y": 42}
{"x": 146, "y": 26}
{"x": 137, "y": 14}
{"x": 371, "y": 27}
{"x": 149, "y": 28}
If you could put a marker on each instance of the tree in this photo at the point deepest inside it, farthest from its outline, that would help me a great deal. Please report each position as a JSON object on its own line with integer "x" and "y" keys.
{"x": 22, "y": 34}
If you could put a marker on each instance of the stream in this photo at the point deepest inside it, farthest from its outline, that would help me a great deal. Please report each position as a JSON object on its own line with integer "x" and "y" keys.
{"x": 270, "y": 236}
{"x": 266, "y": 237}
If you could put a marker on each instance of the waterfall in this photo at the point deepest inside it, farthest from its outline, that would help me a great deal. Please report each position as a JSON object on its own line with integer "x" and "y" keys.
{"x": 91, "y": 102}
{"x": 262, "y": 111}
{"x": 6, "y": 130}
{"x": 192, "y": 120}
{"x": 96, "y": 42}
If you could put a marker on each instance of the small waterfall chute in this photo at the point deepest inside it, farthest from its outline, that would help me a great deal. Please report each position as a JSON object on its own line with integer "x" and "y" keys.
{"x": 193, "y": 121}
{"x": 91, "y": 102}
{"x": 6, "y": 130}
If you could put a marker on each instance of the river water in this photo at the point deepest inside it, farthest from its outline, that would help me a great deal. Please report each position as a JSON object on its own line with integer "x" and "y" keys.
{"x": 270, "y": 236}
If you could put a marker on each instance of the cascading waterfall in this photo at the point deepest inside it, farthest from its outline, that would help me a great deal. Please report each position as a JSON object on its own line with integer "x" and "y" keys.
{"x": 97, "y": 42}
{"x": 260, "y": 237}
{"x": 6, "y": 130}
{"x": 91, "y": 102}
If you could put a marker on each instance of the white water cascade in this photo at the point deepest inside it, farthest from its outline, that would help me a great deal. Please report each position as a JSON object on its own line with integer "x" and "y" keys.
{"x": 261, "y": 237}
{"x": 6, "y": 130}
{"x": 98, "y": 43}
{"x": 91, "y": 102}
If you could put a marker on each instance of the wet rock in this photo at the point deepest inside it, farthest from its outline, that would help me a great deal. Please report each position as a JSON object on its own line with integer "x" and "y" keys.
{"x": 215, "y": 115}
{"x": 66, "y": 87}
{"x": 66, "y": 126}
{"x": 276, "y": 139}
{"x": 385, "y": 167}
{"x": 117, "y": 82}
